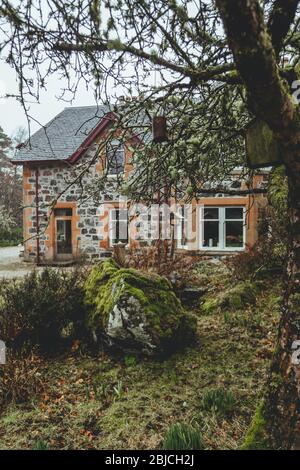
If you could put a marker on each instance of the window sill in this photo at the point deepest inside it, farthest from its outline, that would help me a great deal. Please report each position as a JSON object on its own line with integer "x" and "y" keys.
{"x": 221, "y": 250}
{"x": 115, "y": 176}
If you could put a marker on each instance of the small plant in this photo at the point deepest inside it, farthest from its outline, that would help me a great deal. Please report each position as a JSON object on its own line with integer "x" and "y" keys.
{"x": 87, "y": 392}
{"x": 130, "y": 361}
{"x": 40, "y": 445}
{"x": 226, "y": 317}
{"x": 183, "y": 436}
{"x": 219, "y": 401}
{"x": 98, "y": 390}
{"x": 173, "y": 377}
{"x": 119, "y": 389}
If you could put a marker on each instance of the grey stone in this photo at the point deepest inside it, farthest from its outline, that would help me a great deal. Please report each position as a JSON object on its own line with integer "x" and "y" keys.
{"x": 144, "y": 315}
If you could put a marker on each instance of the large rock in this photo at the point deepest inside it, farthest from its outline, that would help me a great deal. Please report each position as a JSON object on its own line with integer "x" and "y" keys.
{"x": 135, "y": 312}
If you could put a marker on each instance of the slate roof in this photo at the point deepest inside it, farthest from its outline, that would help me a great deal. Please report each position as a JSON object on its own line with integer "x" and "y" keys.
{"x": 62, "y": 136}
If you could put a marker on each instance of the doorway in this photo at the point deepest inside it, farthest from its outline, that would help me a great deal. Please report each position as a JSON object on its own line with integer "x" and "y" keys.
{"x": 63, "y": 233}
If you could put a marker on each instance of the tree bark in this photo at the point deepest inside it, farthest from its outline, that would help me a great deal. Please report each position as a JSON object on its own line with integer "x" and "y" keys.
{"x": 282, "y": 401}
{"x": 277, "y": 421}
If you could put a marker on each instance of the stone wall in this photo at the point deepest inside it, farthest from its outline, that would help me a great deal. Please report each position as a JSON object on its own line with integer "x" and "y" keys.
{"x": 88, "y": 198}
{"x": 91, "y": 199}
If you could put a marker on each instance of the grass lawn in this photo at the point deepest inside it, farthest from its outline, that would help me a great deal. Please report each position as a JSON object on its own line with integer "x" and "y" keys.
{"x": 104, "y": 403}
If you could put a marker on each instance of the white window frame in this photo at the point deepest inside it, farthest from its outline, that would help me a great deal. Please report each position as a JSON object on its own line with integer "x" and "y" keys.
{"x": 182, "y": 216}
{"x": 222, "y": 228}
{"x": 113, "y": 219}
{"x": 146, "y": 224}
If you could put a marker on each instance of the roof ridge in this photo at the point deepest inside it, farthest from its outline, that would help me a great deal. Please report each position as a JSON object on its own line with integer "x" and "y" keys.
{"x": 89, "y": 106}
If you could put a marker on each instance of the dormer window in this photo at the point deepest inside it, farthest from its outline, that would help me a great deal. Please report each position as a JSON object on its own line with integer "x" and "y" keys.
{"x": 115, "y": 156}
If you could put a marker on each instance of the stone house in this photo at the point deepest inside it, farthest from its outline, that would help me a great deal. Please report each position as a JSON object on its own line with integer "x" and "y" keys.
{"x": 71, "y": 210}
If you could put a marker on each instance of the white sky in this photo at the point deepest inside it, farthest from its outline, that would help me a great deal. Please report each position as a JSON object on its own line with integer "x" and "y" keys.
{"x": 12, "y": 114}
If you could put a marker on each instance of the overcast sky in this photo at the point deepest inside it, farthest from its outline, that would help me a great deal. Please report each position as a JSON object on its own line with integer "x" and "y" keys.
{"x": 12, "y": 114}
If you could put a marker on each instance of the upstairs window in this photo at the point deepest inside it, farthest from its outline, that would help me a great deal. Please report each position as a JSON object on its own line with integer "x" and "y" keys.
{"x": 115, "y": 156}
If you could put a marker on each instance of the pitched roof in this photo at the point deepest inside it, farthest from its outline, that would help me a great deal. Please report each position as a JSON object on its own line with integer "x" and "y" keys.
{"x": 63, "y": 135}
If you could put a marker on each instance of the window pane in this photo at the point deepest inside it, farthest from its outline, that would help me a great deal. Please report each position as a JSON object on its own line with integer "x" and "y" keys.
{"x": 115, "y": 157}
{"x": 62, "y": 212}
{"x": 119, "y": 226}
{"x": 63, "y": 237}
{"x": 211, "y": 234}
{"x": 182, "y": 227}
{"x": 211, "y": 213}
{"x": 234, "y": 234}
{"x": 234, "y": 213}
{"x": 122, "y": 214}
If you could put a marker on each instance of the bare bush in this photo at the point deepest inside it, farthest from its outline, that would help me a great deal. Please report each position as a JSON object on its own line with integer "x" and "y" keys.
{"x": 20, "y": 379}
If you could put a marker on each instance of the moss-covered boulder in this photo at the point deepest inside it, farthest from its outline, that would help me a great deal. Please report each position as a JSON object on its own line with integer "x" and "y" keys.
{"x": 135, "y": 312}
{"x": 236, "y": 297}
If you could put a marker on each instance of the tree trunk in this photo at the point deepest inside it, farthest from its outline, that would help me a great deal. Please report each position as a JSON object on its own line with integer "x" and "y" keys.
{"x": 283, "y": 398}
{"x": 256, "y": 48}
{"x": 276, "y": 424}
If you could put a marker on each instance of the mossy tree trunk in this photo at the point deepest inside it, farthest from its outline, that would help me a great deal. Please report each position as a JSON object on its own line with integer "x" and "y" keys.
{"x": 282, "y": 402}
{"x": 277, "y": 421}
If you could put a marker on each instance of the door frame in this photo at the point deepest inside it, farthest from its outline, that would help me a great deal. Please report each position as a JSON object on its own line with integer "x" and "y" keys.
{"x": 51, "y": 253}
{"x": 63, "y": 256}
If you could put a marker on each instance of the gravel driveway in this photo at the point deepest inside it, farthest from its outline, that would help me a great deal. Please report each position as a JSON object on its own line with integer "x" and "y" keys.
{"x": 11, "y": 265}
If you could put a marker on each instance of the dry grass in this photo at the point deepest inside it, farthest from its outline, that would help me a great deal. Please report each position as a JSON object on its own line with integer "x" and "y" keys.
{"x": 20, "y": 379}
{"x": 100, "y": 403}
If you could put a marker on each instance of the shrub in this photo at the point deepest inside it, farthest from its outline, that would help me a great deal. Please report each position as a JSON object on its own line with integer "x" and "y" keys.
{"x": 45, "y": 309}
{"x": 130, "y": 361}
{"x": 182, "y": 436}
{"x": 20, "y": 380}
{"x": 159, "y": 258}
{"x": 11, "y": 237}
{"x": 269, "y": 253}
{"x": 219, "y": 401}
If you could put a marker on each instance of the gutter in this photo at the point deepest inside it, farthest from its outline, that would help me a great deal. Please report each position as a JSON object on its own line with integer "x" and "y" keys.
{"x": 37, "y": 217}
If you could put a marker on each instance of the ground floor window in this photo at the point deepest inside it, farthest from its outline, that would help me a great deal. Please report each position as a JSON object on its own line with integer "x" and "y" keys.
{"x": 223, "y": 228}
{"x": 118, "y": 226}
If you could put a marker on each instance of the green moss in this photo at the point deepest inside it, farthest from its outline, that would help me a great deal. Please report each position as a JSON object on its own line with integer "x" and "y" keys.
{"x": 157, "y": 393}
{"x": 109, "y": 284}
{"x": 262, "y": 148}
{"x": 256, "y": 438}
{"x": 210, "y": 306}
{"x": 278, "y": 189}
{"x": 234, "y": 298}
{"x": 243, "y": 294}
{"x": 235, "y": 301}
